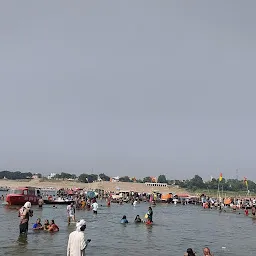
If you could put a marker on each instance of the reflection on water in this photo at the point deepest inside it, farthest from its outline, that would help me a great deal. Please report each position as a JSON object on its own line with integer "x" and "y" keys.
{"x": 175, "y": 229}
{"x": 22, "y": 239}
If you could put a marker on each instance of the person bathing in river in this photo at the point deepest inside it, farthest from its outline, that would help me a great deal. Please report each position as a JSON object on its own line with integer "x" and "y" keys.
{"x": 189, "y": 252}
{"x": 24, "y": 213}
{"x": 53, "y": 227}
{"x": 71, "y": 212}
{"x": 38, "y": 225}
{"x": 95, "y": 207}
{"x": 40, "y": 202}
{"x": 46, "y": 224}
{"x": 253, "y": 211}
{"x": 207, "y": 252}
{"x": 124, "y": 220}
{"x": 150, "y": 216}
{"x": 137, "y": 219}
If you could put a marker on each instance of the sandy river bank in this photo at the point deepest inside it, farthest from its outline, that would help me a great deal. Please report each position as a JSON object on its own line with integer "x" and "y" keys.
{"x": 104, "y": 185}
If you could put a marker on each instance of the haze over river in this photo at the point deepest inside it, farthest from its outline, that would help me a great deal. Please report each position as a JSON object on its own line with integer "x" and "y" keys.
{"x": 175, "y": 229}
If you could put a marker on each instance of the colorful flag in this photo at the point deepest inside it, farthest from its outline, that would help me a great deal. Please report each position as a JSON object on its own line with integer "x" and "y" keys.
{"x": 220, "y": 178}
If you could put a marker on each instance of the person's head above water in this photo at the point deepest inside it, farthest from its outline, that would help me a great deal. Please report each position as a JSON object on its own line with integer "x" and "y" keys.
{"x": 46, "y": 222}
{"x": 190, "y": 252}
{"x": 38, "y": 221}
{"x": 81, "y": 225}
{"x": 207, "y": 251}
{"x": 124, "y": 217}
{"x": 52, "y": 222}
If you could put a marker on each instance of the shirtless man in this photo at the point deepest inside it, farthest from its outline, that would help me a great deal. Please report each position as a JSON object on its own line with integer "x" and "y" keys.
{"x": 207, "y": 252}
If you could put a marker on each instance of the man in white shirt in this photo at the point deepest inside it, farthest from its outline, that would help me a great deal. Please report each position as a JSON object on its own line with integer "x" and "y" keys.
{"x": 76, "y": 240}
{"x": 95, "y": 207}
{"x": 71, "y": 212}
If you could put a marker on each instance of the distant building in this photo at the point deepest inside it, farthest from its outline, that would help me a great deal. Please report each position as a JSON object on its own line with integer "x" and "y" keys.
{"x": 153, "y": 184}
{"x": 114, "y": 179}
{"x": 51, "y": 176}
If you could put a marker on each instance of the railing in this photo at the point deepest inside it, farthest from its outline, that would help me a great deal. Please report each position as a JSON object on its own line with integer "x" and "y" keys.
{"x": 156, "y": 184}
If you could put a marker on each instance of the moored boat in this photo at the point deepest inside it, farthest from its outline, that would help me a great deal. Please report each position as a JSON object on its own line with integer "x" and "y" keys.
{"x": 20, "y": 196}
{"x": 59, "y": 201}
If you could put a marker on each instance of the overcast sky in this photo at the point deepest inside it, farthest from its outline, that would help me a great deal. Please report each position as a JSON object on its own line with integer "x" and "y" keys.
{"x": 128, "y": 87}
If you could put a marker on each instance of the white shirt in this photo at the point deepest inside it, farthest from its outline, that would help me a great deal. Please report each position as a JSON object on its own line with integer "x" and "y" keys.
{"x": 76, "y": 244}
{"x": 71, "y": 210}
{"x": 95, "y": 206}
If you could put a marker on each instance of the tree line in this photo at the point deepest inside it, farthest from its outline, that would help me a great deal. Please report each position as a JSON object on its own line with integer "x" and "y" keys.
{"x": 225, "y": 184}
{"x": 191, "y": 184}
{"x": 15, "y": 175}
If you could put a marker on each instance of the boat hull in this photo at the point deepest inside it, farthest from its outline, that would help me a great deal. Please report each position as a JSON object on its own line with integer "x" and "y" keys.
{"x": 21, "y": 199}
{"x": 58, "y": 202}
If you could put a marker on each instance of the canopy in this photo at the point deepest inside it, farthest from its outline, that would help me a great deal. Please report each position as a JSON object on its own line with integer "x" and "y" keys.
{"x": 90, "y": 194}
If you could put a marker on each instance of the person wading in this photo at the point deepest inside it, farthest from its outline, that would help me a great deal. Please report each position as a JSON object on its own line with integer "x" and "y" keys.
{"x": 76, "y": 241}
{"x": 24, "y": 214}
{"x": 71, "y": 212}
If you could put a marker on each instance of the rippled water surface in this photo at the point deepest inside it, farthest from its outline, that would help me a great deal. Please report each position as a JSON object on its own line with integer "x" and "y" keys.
{"x": 175, "y": 229}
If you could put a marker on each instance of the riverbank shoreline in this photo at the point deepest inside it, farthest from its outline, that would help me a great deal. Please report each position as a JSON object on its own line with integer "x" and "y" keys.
{"x": 103, "y": 185}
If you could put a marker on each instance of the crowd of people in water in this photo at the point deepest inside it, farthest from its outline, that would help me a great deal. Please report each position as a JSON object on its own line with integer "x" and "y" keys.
{"x": 80, "y": 203}
{"x": 25, "y": 213}
{"x": 148, "y": 218}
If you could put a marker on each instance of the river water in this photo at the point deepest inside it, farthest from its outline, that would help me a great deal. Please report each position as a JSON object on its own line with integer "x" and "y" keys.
{"x": 176, "y": 227}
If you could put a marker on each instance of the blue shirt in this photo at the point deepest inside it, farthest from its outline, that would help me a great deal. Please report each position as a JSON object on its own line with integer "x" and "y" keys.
{"x": 124, "y": 221}
{"x": 36, "y": 225}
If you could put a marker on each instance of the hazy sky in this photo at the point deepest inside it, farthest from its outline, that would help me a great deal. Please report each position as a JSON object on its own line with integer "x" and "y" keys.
{"x": 128, "y": 87}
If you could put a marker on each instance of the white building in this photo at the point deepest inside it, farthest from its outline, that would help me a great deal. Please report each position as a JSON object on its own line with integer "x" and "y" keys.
{"x": 151, "y": 184}
{"x": 51, "y": 176}
{"x": 114, "y": 179}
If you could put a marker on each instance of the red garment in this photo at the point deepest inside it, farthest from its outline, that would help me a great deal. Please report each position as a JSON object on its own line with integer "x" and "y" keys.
{"x": 54, "y": 228}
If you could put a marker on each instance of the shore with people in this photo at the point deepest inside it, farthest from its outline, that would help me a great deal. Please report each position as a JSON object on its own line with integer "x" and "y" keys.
{"x": 102, "y": 185}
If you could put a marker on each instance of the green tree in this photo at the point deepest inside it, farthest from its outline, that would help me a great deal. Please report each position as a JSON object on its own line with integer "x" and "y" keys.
{"x": 92, "y": 177}
{"x": 104, "y": 177}
{"x": 83, "y": 178}
{"x": 196, "y": 182}
{"x": 162, "y": 179}
{"x": 125, "y": 179}
{"x": 147, "y": 179}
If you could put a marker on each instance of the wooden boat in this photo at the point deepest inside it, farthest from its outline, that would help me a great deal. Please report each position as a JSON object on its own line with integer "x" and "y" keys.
{"x": 20, "y": 196}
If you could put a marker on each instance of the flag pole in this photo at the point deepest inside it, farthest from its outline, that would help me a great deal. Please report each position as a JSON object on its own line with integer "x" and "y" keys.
{"x": 218, "y": 193}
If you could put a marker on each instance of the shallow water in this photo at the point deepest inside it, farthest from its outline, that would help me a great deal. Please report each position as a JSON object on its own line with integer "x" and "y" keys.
{"x": 175, "y": 229}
